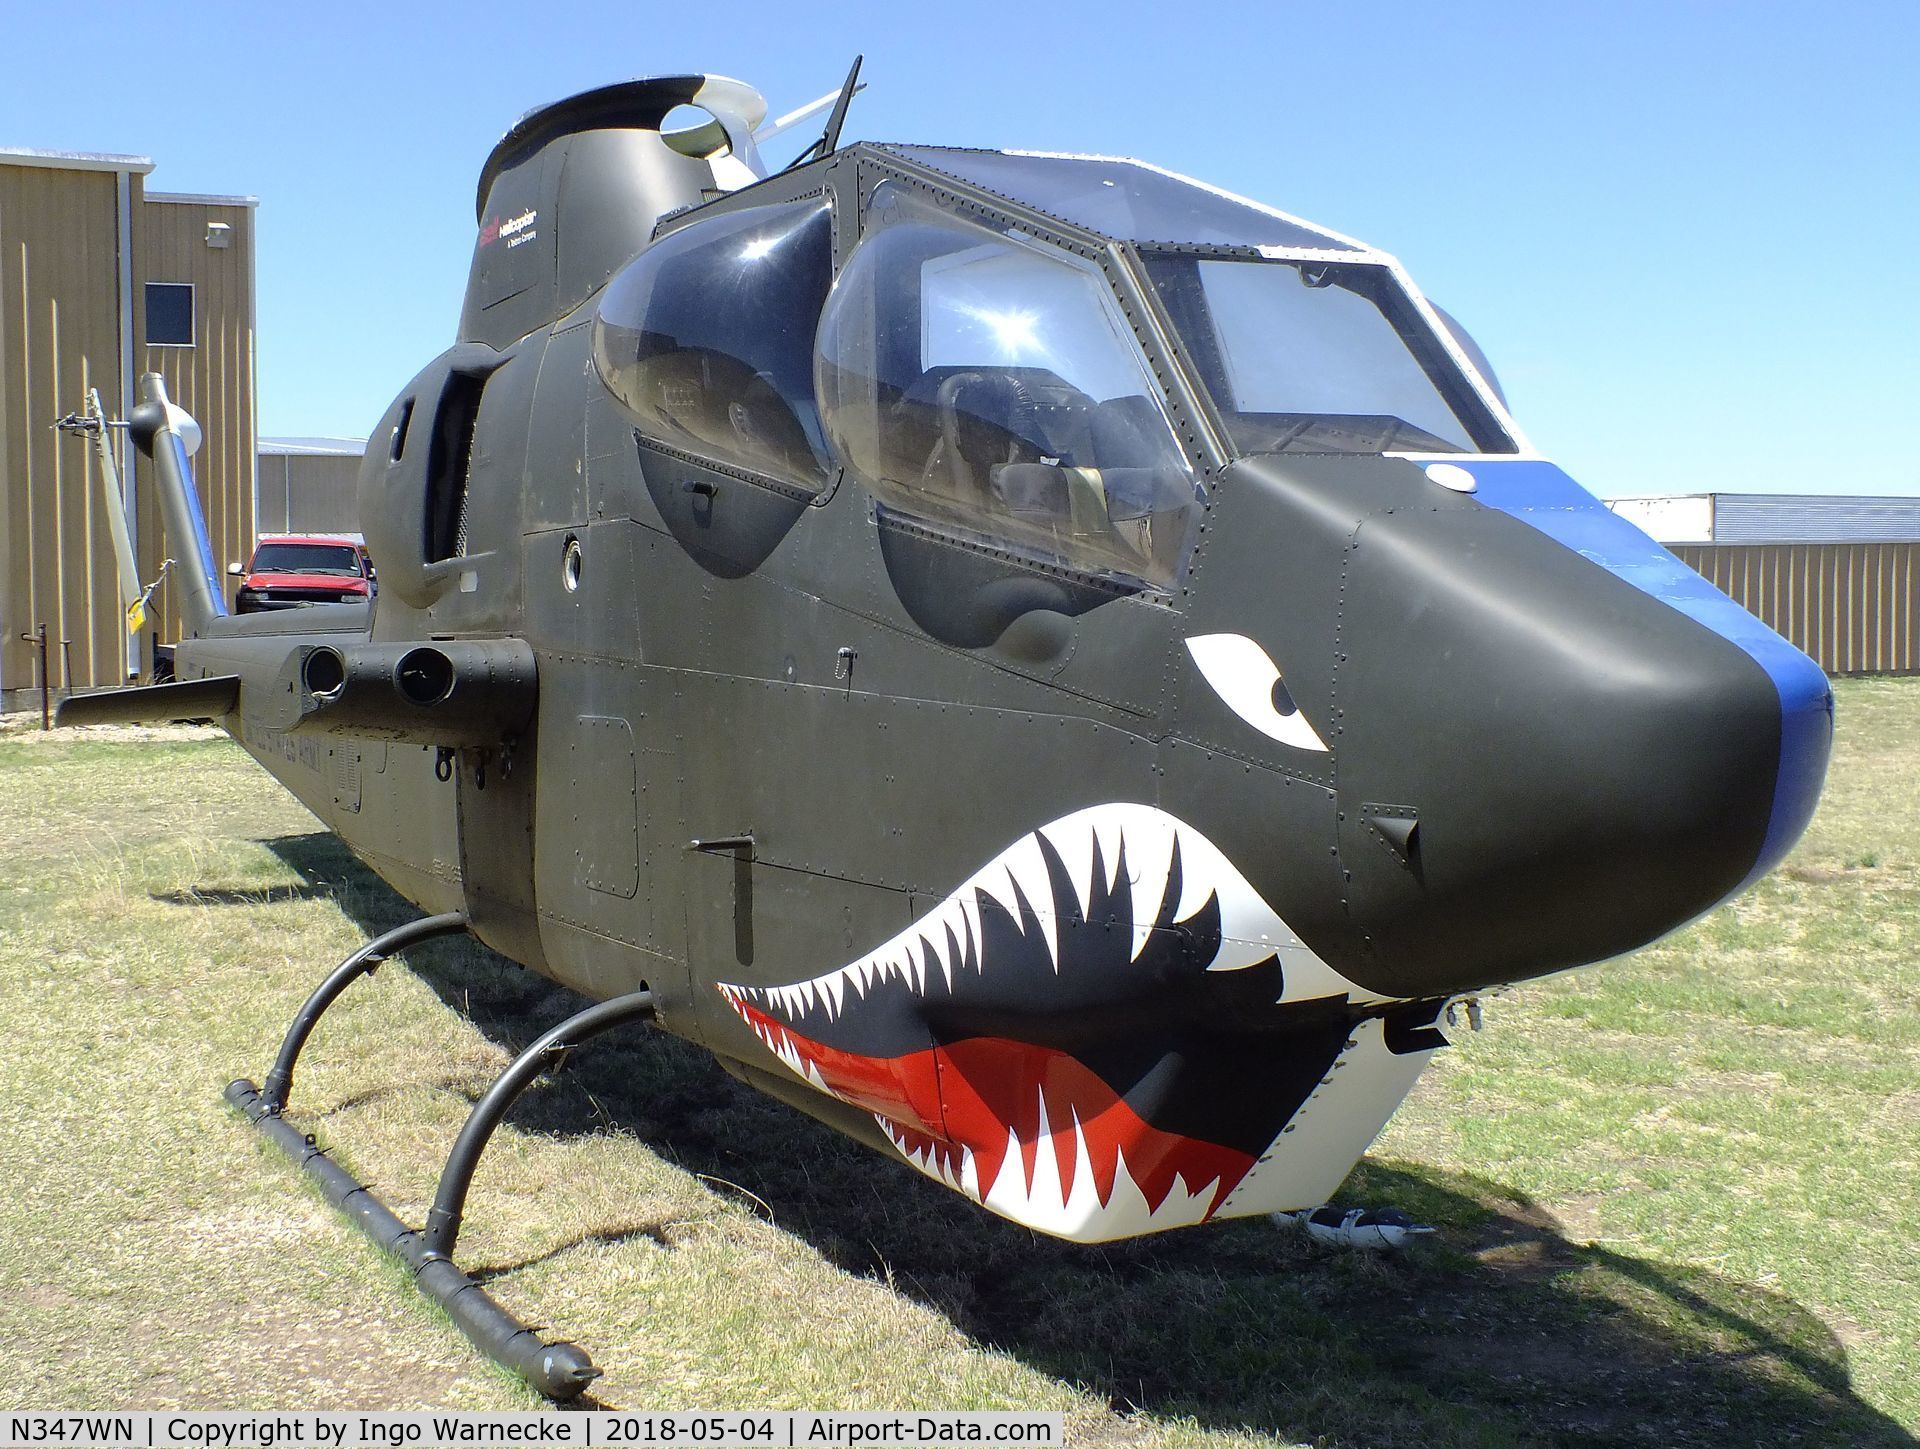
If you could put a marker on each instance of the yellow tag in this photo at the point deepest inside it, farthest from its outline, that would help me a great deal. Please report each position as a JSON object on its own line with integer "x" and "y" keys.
{"x": 136, "y": 615}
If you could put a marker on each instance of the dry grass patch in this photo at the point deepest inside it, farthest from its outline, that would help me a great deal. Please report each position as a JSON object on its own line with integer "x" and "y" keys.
{"x": 1678, "y": 1193}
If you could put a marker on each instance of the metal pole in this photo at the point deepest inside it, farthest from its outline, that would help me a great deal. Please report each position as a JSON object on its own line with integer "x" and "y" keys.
{"x": 46, "y": 688}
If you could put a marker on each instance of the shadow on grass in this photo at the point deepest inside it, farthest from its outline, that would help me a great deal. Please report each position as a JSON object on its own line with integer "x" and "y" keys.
{"x": 1501, "y": 1331}
{"x": 656, "y": 1233}
{"x": 254, "y": 896}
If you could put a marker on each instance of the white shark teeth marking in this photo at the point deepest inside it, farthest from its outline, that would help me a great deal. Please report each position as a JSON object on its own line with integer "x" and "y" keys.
{"x": 969, "y": 1174}
{"x": 1141, "y": 838}
{"x": 1149, "y": 845}
{"x": 1046, "y": 1203}
{"x": 1329, "y": 1131}
{"x": 1110, "y": 831}
{"x": 929, "y": 1159}
{"x": 967, "y": 900}
{"x": 1022, "y": 884}
{"x": 946, "y": 945}
{"x": 1076, "y": 849}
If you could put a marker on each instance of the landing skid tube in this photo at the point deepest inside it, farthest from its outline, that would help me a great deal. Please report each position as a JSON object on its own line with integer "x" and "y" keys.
{"x": 558, "y": 1370}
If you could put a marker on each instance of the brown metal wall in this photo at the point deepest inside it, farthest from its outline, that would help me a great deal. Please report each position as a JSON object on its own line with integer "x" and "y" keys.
{"x": 1852, "y": 606}
{"x": 213, "y": 379}
{"x": 309, "y": 493}
{"x": 59, "y": 336}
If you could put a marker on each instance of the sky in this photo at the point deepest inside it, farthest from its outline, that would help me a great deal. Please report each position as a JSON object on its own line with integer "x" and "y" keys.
{"x": 1656, "y": 219}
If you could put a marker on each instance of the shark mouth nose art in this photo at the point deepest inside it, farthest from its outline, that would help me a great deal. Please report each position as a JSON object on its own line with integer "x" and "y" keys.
{"x": 1105, "y": 1031}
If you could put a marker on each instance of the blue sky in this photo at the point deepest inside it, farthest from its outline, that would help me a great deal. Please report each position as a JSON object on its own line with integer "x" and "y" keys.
{"x": 1685, "y": 233}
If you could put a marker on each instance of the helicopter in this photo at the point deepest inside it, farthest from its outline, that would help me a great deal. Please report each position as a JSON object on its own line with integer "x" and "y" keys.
{"x": 1055, "y": 669}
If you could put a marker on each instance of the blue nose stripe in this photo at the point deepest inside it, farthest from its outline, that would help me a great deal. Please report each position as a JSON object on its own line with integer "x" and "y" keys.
{"x": 1543, "y": 497}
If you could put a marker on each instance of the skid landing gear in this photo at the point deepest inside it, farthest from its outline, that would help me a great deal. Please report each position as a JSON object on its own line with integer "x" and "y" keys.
{"x": 558, "y": 1370}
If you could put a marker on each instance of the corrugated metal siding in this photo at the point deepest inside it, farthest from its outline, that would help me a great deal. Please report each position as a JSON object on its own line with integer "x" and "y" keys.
{"x": 1813, "y": 518}
{"x": 309, "y": 493}
{"x": 1852, "y": 606}
{"x": 213, "y": 379}
{"x": 59, "y": 336}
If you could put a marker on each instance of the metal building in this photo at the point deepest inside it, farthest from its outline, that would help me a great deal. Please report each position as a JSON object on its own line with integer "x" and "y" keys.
{"x": 1837, "y": 574}
{"x": 1773, "y": 517}
{"x": 308, "y": 485}
{"x": 101, "y": 280}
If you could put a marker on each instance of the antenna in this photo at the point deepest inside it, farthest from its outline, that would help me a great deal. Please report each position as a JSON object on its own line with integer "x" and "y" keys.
{"x": 830, "y": 139}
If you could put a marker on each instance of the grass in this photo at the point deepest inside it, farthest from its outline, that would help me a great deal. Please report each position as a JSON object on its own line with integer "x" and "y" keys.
{"x": 1679, "y": 1194}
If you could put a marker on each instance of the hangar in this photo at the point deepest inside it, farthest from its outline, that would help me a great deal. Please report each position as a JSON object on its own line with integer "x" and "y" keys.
{"x": 101, "y": 279}
{"x": 308, "y": 485}
{"x": 1834, "y": 573}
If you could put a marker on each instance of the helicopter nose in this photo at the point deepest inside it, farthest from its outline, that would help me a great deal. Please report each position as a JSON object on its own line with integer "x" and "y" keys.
{"x": 1603, "y": 746}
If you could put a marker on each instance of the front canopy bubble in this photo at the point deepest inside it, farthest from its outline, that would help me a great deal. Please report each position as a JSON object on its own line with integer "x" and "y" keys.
{"x": 707, "y": 339}
{"x": 981, "y": 381}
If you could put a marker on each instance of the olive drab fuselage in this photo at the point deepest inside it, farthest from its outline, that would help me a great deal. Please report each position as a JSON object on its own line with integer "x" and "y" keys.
{"x": 987, "y": 696}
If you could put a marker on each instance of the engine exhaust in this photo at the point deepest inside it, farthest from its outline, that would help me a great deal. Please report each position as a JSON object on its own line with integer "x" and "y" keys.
{"x": 456, "y": 692}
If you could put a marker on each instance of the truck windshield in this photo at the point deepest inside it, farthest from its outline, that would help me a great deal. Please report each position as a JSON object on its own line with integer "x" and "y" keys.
{"x": 306, "y": 558}
{"x": 1320, "y": 357}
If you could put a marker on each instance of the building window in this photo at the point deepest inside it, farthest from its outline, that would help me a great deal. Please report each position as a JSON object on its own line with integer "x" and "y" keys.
{"x": 170, "y": 314}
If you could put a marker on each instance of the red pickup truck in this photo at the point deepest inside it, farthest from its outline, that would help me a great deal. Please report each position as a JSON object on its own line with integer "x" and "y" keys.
{"x": 293, "y": 570}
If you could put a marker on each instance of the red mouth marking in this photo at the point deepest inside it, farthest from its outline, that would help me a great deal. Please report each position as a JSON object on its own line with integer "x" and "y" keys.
{"x": 973, "y": 1095}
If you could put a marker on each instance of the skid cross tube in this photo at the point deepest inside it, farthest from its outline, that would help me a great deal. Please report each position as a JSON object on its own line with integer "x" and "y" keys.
{"x": 558, "y": 1370}
{"x": 363, "y": 962}
{"x": 547, "y": 1054}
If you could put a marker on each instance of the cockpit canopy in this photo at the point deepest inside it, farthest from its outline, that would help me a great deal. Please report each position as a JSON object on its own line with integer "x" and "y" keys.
{"x": 707, "y": 339}
{"x": 974, "y": 376}
{"x": 980, "y": 363}
{"x": 1129, "y": 201}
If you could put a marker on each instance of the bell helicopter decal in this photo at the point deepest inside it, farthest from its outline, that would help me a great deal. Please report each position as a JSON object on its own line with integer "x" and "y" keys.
{"x": 1059, "y": 671}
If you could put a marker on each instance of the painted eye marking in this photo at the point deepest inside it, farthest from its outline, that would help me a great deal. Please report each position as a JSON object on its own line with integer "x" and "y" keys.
{"x": 1249, "y": 684}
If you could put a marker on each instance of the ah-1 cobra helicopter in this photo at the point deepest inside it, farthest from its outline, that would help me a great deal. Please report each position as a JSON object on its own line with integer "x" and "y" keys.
{"x": 1057, "y": 670}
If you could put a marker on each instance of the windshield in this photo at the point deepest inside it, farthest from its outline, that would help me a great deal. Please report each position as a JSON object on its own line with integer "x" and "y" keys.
{"x": 306, "y": 558}
{"x": 1320, "y": 357}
